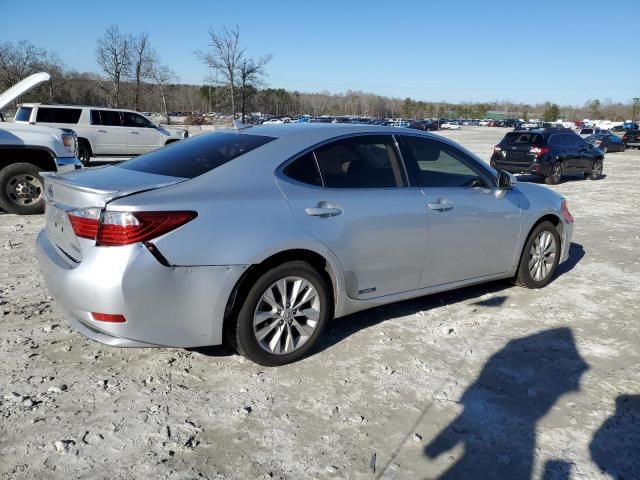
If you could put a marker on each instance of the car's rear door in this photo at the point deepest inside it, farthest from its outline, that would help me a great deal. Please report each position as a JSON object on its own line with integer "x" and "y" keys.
{"x": 474, "y": 229}
{"x": 351, "y": 194}
{"x": 110, "y": 136}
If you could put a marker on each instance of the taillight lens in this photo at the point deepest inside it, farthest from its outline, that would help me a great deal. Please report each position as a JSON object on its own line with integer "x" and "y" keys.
{"x": 124, "y": 228}
{"x": 539, "y": 151}
{"x": 497, "y": 149}
{"x": 85, "y": 222}
{"x": 566, "y": 214}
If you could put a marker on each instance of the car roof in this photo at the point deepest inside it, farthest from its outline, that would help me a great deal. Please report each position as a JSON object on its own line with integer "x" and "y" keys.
{"x": 53, "y": 105}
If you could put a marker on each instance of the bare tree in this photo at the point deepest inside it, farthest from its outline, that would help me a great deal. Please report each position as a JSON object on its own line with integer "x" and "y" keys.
{"x": 114, "y": 57}
{"x": 250, "y": 73}
{"x": 163, "y": 77}
{"x": 141, "y": 65}
{"x": 225, "y": 57}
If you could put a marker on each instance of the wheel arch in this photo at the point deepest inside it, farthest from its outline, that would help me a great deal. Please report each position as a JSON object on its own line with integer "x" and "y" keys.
{"x": 40, "y": 157}
{"x": 325, "y": 267}
{"x": 550, "y": 217}
{"x": 87, "y": 142}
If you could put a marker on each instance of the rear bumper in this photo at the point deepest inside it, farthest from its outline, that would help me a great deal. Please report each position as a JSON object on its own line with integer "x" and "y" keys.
{"x": 633, "y": 144}
{"x": 163, "y": 306}
{"x": 533, "y": 168}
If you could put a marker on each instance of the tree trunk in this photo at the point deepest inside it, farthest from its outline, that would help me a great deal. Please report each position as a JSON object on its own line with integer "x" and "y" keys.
{"x": 243, "y": 93}
{"x": 164, "y": 105}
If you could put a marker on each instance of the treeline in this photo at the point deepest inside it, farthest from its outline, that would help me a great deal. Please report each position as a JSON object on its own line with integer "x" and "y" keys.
{"x": 133, "y": 77}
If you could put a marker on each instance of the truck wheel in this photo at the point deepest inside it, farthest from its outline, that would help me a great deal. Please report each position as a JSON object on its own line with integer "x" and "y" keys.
{"x": 84, "y": 153}
{"x": 21, "y": 189}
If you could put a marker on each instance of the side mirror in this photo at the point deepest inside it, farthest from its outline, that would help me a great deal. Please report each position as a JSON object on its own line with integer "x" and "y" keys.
{"x": 504, "y": 180}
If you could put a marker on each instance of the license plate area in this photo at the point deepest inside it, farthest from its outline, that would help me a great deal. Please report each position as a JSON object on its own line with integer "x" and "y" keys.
{"x": 60, "y": 231}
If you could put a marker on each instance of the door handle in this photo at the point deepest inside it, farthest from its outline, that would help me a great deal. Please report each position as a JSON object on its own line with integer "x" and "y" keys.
{"x": 134, "y": 132}
{"x": 323, "y": 211}
{"x": 442, "y": 207}
{"x": 102, "y": 131}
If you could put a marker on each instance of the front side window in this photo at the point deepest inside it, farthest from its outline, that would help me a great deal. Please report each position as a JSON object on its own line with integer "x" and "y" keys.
{"x": 23, "y": 114}
{"x": 361, "y": 162}
{"x": 438, "y": 164}
{"x": 130, "y": 119}
{"x": 58, "y": 115}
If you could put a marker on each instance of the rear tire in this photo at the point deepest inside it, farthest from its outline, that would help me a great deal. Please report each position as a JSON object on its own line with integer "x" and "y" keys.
{"x": 267, "y": 320}
{"x": 555, "y": 175}
{"x": 540, "y": 257}
{"x": 21, "y": 189}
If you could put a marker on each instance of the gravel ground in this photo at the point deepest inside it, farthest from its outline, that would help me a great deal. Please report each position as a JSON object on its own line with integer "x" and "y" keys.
{"x": 492, "y": 381}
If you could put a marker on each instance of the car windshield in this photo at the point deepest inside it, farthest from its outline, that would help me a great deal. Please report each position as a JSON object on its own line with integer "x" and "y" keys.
{"x": 195, "y": 156}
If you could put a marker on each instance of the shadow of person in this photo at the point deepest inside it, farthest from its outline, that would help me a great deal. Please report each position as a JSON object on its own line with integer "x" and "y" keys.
{"x": 516, "y": 387}
{"x": 615, "y": 447}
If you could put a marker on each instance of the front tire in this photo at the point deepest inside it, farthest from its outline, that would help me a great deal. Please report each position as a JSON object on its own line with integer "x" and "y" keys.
{"x": 21, "y": 189}
{"x": 596, "y": 170}
{"x": 555, "y": 175}
{"x": 540, "y": 257}
{"x": 283, "y": 314}
{"x": 84, "y": 153}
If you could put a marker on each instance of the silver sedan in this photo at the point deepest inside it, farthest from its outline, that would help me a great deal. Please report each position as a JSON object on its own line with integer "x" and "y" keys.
{"x": 257, "y": 237}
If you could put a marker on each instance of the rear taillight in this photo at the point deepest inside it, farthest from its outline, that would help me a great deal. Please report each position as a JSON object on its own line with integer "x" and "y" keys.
{"x": 497, "y": 149}
{"x": 539, "y": 151}
{"x": 598, "y": 142}
{"x": 85, "y": 222}
{"x": 625, "y": 137}
{"x": 566, "y": 214}
{"x": 124, "y": 228}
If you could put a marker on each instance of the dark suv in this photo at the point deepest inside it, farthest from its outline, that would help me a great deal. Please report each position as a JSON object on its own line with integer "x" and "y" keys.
{"x": 548, "y": 152}
{"x": 631, "y": 138}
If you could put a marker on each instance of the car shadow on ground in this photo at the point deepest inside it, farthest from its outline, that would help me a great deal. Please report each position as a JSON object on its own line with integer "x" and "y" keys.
{"x": 566, "y": 178}
{"x": 516, "y": 387}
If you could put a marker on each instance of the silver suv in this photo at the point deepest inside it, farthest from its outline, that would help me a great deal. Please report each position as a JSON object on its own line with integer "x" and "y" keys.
{"x": 101, "y": 131}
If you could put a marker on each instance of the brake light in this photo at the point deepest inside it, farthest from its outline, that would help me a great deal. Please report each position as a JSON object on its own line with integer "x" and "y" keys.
{"x": 108, "y": 317}
{"x": 625, "y": 137}
{"x": 598, "y": 142}
{"x": 85, "y": 222}
{"x": 539, "y": 151}
{"x": 124, "y": 228}
{"x": 566, "y": 214}
{"x": 497, "y": 148}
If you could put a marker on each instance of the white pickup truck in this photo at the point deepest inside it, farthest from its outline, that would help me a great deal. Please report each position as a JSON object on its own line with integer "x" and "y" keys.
{"x": 26, "y": 151}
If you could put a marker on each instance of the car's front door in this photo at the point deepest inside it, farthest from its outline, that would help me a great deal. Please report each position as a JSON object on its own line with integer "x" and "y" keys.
{"x": 474, "y": 229}
{"x": 352, "y": 195}
{"x": 142, "y": 136}
{"x": 585, "y": 153}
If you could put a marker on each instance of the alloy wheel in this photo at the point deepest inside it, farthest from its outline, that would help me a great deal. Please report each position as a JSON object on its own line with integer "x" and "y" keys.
{"x": 286, "y": 316}
{"x": 542, "y": 255}
{"x": 24, "y": 189}
{"x": 596, "y": 170}
{"x": 556, "y": 173}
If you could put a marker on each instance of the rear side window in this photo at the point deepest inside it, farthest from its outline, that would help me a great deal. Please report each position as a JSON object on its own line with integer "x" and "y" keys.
{"x": 58, "y": 115}
{"x": 23, "y": 114}
{"x": 517, "y": 138}
{"x": 109, "y": 118}
{"x": 195, "y": 156}
{"x": 131, "y": 119}
{"x": 360, "y": 162}
{"x": 305, "y": 170}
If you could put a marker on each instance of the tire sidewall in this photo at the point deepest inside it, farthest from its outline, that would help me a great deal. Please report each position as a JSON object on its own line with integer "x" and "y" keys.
{"x": 246, "y": 342}
{"x": 9, "y": 205}
{"x": 592, "y": 174}
{"x": 82, "y": 147}
{"x": 524, "y": 276}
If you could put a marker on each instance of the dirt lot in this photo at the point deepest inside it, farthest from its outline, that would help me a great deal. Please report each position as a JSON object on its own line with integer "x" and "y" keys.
{"x": 492, "y": 381}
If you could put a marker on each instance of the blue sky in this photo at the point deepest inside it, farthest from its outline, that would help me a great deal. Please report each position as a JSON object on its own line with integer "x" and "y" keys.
{"x": 464, "y": 50}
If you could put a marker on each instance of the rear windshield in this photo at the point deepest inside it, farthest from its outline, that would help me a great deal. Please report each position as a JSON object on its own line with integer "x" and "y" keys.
{"x": 23, "y": 114}
{"x": 517, "y": 138}
{"x": 197, "y": 155}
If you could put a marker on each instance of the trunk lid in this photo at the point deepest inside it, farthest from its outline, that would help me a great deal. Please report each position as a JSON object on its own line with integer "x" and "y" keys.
{"x": 90, "y": 188}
